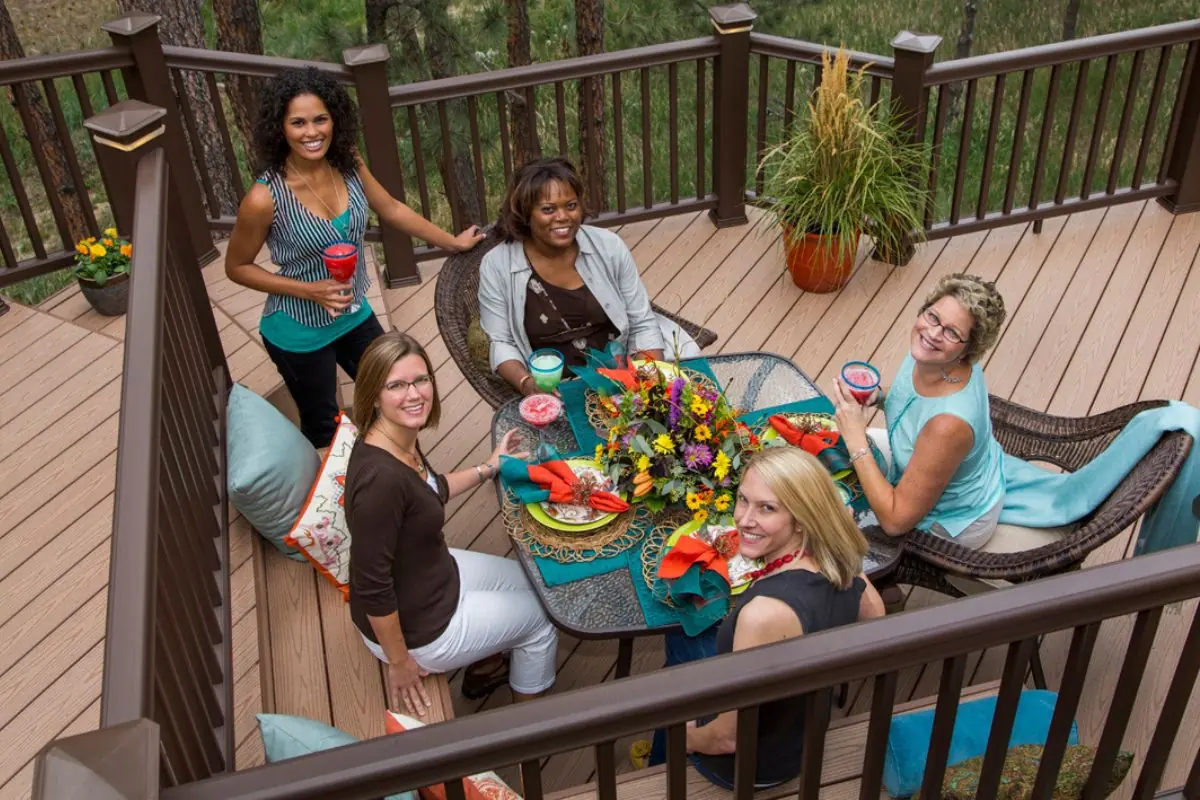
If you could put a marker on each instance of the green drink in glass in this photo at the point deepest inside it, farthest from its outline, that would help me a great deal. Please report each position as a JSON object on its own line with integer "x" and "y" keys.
{"x": 546, "y": 367}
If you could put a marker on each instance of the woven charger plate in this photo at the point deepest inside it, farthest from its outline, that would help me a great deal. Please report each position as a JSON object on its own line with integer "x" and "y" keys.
{"x": 626, "y": 530}
{"x": 601, "y": 420}
{"x": 652, "y": 553}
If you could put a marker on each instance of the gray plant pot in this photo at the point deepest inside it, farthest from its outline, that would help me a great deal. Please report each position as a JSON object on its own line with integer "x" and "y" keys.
{"x": 111, "y": 299}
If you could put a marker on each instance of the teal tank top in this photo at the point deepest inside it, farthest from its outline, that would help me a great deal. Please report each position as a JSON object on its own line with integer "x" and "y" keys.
{"x": 978, "y": 483}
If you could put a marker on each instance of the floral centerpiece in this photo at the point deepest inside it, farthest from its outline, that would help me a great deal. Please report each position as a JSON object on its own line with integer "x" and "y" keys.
{"x": 102, "y": 269}
{"x": 676, "y": 440}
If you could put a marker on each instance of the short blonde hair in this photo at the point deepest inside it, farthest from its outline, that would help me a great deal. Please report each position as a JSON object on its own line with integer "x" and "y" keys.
{"x": 373, "y": 369}
{"x": 981, "y": 300}
{"x": 806, "y": 490}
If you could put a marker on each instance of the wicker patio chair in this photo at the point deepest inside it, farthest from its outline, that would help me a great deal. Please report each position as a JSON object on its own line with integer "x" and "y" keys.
{"x": 456, "y": 304}
{"x": 1069, "y": 443}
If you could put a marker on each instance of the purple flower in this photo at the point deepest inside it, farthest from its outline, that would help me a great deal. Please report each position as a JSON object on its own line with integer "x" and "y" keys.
{"x": 697, "y": 456}
{"x": 673, "y": 399}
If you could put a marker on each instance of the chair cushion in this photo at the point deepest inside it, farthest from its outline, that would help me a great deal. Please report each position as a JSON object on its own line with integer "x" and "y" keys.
{"x": 1016, "y": 539}
{"x": 481, "y": 786}
{"x": 1020, "y": 773}
{"x": 320, "y": 531}
{"x": 909, "y": 736}
{"x": 270, "y": 464}
{"x": 478, "y": 345}
{"x": 285, "y": 737}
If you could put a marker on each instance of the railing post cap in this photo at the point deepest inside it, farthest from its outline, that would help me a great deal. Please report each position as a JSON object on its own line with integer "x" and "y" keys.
{"x": 365, "y": 54}
{"x": 916, "y": 42}
{"x": 131, "y": 23}
{"x": 125, "y": 121}
{"x": 120, "y": 762}
{"x": 732, "y": 15}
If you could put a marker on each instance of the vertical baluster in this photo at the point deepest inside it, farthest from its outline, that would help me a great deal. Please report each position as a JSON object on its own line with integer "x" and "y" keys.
{"x": 477, "y": 152}
{"x": 68, "y": 146}
{"x": 761, "y": 134}
{"x": 1160, "y": 78}
{"x": 673, "y": 127}
{"x": 817, "y": 707}
{"x": 455, "y": 790}
{"x": 85, "y": 105}
{"x": 450, "y": 184}
{"x": 677, "y": 762}
{"x": 535, "y": 142}
{"x": 935, "y": 155}
{"x": 1173, "y": 706}
{"x": 606, "y": 771}
{"x": 193, "y": 137}
{"x": 989, "y": 152}
{"x": 619, "y": 139}
{"x": 590, "y": 143}
{"x": 1039, "y": 166}
{"x": 1016, "y": 664}
{"x": 647, "y": 176}
{"x": 1173, "y": 131}
{"x": 1124, "y": 695}
{"x": 414, "y": 131}
{"x": 226, "y": 142}
{"x": 10, "y": 258}
{"x": 746, "y": 757}
{"x": 505, "y": 148}
{"x": 18, "y": 187}
{"x": 949, "y": 690}
{"x": 876, "y": 86}
{"x": 964, "y": 149}
{"x": 1068, "y": 155}
{"x": 882, "y": 701}
{"x": 701, "y": 187}
{"x": 1014, "y": 162}
{"x": 1089, "y": 169}
{"x": 789, "y": 99}
{"x": 110, "y": 88}
{"x": 1192, "y": 787}
{"x": 531, "y": 779}
{"x": 560, "y": 116}
{"x": 23, "y": 93}
{"x": 818, "y": 76}
{"x": 1126, "y": 115}
{"x": 1083, "y": 642}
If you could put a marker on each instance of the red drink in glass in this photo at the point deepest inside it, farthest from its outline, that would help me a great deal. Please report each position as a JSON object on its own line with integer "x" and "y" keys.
{"x": 539, "y": 410}
{"x": 862, "y": 379}
{"x": 341, "y": 260}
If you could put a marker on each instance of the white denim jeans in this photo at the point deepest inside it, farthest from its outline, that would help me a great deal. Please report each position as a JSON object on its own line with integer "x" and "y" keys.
{"x": 497, "y": 611}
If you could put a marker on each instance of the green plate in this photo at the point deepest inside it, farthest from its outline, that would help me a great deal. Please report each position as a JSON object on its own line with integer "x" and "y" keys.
{"x": 689, "y": 528}
{"x": 538, "y": 510}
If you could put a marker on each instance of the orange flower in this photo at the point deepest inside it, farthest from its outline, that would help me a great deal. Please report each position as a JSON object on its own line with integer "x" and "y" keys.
{"x": 127, "y": 250}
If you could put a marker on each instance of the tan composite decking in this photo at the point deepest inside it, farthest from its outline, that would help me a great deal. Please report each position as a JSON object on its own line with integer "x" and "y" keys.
{"x": 1102, "y": 311}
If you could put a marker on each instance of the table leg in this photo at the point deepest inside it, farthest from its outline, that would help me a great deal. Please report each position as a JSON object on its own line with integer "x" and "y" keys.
{"x": 624, "y": 657}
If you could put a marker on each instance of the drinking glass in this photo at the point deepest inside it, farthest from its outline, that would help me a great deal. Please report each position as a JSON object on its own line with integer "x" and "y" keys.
{"x": 546, "y": 366}
{"x": 862, "y": 379}
{"x": 539, "y": 410}
{"x": 341, "y": 261}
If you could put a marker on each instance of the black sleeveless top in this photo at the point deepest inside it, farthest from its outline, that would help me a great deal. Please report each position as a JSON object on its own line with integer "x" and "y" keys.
{"x": 819, "y": 605}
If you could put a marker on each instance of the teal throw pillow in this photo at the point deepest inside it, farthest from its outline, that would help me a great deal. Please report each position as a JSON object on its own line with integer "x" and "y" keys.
{"x": 287, "y": 737}
{"x": 271, "y": 466}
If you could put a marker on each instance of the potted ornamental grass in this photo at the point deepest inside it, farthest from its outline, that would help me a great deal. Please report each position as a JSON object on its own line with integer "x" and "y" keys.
{"x": 847, "y": 170}
{"x": 102, "y": 269}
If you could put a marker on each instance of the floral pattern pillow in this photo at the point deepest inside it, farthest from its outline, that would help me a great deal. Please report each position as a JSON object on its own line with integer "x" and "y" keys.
{"x": 1020, "y": 772}
{"x": 481, "y": 786}
{"x": 321, "y": 533}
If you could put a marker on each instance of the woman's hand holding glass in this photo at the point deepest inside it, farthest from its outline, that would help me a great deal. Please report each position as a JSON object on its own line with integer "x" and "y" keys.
{"x": 334, "y": 296}
{"x": 851, "y": 417}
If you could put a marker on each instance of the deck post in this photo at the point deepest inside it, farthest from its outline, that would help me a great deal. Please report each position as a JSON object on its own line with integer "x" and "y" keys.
{"x": 731, "y": 92}
{"x": 118, "y": 762}
{"x": 913, "y": 54}
{"x": 149, "y": 80}
{"x": 1182, "y": 161}
{"x": 369, "y": 65}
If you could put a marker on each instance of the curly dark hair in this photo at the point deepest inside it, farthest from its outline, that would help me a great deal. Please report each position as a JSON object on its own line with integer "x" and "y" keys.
{"x": 525, "y": 190}
{"x": 270, "y": 142}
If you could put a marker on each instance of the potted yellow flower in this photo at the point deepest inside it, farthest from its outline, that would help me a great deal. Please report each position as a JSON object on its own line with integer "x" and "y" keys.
{"x": 102, "y": 269}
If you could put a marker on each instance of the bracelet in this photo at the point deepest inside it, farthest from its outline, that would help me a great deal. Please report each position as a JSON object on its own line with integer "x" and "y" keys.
{"x": 859, "y": 453}
{"x": 479, "y": 472}
{"x": 521, "y": 384}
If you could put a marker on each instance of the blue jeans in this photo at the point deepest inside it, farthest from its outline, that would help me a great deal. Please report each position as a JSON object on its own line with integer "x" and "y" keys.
{"x": 681, "y": 649}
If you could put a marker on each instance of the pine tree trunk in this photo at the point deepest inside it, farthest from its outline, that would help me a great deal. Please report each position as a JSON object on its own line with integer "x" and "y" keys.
{"x": 239, "y": 30}
{"x": 523, "y": 146}
{"x": 589, "y": 41}
{"x": 62, "y": 185}
{"x": 962, "y": 49}
{"x": 181, "y": 25}
{"x": 377, "y": 13}
{"x": 1071, "y": 19}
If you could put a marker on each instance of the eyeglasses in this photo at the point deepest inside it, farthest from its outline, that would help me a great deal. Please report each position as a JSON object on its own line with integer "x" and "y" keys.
{"x": 401, "y": 387}
{"x": 934, "y": 321}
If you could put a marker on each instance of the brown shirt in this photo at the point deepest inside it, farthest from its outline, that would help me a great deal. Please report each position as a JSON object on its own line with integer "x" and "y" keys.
{"x": 399, "y": 561}
{"x": 567, "y": 320}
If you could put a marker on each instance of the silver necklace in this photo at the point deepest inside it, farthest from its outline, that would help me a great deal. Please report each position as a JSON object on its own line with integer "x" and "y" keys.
{"x": 948, "y": 378}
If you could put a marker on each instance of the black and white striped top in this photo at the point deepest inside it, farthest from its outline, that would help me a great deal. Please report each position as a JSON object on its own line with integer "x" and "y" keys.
{"x": 298, "y": 236}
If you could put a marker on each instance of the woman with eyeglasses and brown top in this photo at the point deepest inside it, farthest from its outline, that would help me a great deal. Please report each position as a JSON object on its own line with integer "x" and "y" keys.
{"x": 420, "y": 606}
{"x": 945, "y": 470}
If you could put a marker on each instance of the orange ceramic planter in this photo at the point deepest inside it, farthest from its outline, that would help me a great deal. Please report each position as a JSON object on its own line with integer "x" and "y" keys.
{"x": 817, "y": 265}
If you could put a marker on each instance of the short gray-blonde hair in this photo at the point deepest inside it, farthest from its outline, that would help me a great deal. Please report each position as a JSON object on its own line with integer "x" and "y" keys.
{"x": 981, "y": 300}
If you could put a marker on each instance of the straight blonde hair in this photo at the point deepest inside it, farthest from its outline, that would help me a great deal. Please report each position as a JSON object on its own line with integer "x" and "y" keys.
{"x": 373, "y": 369}
{"x": 809, "y": 494}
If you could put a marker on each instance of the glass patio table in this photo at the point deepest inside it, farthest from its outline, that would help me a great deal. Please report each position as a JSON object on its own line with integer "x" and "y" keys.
{"x": 606, "y": 606}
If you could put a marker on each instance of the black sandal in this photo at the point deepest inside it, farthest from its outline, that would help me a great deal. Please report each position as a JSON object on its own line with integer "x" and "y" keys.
{"x": 484, "y": 677}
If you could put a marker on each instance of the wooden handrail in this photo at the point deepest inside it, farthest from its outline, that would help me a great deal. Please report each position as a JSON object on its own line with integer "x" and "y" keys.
{"x": 796, "y": 50}
{"x": 245, "y": 63}
{"x": 63, "y": 65}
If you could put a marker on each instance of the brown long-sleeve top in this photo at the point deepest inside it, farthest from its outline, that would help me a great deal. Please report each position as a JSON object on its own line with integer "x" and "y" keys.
{"x": 399, "y": 561}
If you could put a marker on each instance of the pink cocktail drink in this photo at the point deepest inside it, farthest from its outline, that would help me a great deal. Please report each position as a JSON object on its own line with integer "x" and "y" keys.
{"x": 341, "y": 260}
{"x": 862, "y": 379}
{"x": 539, "y": 410}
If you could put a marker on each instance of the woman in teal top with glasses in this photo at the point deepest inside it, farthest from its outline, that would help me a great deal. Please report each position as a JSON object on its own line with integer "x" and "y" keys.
{"x": 315, "y": 191}
{"x": 946, "y": 472}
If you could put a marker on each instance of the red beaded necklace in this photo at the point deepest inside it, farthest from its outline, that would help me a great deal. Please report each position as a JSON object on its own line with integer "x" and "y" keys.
{"x": 777, "y": 563}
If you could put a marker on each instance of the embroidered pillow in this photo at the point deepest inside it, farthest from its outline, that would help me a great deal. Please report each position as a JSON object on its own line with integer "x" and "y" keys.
{"x": 320, "y": 532}
{"x": 482, "y": 786}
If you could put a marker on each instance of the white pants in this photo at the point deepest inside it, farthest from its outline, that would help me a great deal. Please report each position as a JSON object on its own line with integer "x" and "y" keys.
{"x": 497, "y": 611}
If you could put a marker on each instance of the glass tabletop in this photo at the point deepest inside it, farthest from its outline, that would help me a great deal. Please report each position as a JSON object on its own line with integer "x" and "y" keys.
{"x": 606, "y": 606}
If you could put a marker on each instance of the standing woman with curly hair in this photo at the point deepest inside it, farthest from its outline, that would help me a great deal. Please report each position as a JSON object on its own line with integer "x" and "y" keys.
{"x": 314, "y": 190}
{"x": 946, "y": 471}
